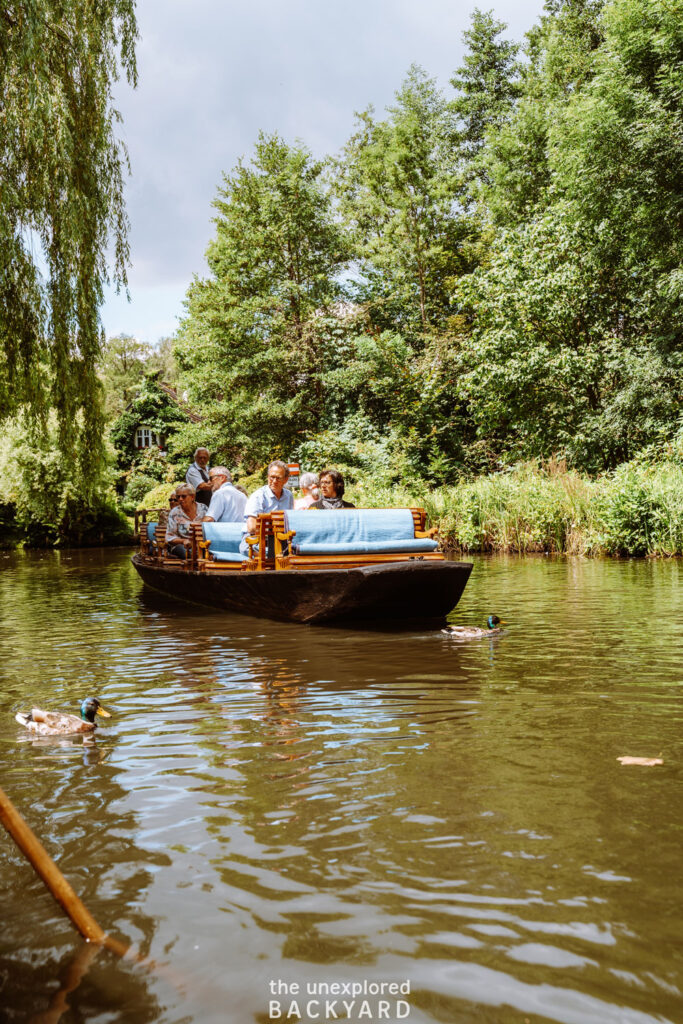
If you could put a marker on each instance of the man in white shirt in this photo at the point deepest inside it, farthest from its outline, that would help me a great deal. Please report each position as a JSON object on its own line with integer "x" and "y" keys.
{"x": 197, "y": 476}
{"x": 227, "y": 503}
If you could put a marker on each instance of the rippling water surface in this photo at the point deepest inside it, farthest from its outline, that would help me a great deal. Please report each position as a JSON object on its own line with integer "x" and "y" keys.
{"x": 275, "y": 805}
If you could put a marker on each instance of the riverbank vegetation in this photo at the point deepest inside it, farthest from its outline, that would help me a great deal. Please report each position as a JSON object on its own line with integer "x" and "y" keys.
{"x": 476, "y": 305}
{"x": 637, "y": 510}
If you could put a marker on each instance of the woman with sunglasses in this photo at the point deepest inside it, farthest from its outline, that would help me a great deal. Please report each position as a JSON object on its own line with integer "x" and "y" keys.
{"x": 188, "y": 510}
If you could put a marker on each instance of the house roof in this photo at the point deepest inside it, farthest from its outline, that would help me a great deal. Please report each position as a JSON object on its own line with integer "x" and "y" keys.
{"x": 179, "y": 401}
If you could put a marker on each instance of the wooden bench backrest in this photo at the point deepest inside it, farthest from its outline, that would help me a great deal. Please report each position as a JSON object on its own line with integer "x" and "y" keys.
{"x": 278, "y": 524}
{"x": 264, "y": 532}
{"x": 143, "y": 516}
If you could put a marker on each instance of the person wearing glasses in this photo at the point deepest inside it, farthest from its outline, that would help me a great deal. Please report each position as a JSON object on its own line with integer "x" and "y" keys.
{"x": 227, "y": 503}
{"x": 165, "y": 512}
{"x": 188, "y": 510}
{"x": 269, "y": 498}
{"x": 332, "y": 487}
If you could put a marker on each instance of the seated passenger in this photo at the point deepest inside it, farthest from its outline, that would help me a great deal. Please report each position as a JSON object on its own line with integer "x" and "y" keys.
{"x": 187, "y": 511}
{"x": 310, "y": 491}
{"x": 332, "y": 487}
{"x": 164, "y": 512}
{"x": 227, "y": 502}
{"x": 269, "y": 498}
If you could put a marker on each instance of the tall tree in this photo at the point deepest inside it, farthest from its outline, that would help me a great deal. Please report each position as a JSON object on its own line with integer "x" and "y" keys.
{"x": 259, "y": 334}
{"x": 487, "y": 81}
{"x": 576, "y": 344}
{"x": 513, "y": 164}
{"x": 399, "y": 186}
{"x": 61, "y": 204}
{"x": 122, "y": 365}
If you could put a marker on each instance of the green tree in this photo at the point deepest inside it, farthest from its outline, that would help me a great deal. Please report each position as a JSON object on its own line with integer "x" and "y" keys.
{"x": 122, "y": 365}
{"x": 61, "y": 205}
{"x": 261, "y": 331}
{"x": 562, "y": 355}
{"x": 152, "y": 407}
{"x": 399, "y": 186}
{"x": 487, "y": 81}
{"x": 575, "y": 320}
{"x": 47, "y": 505}
{"x": 514, "y": 162}
{"x": 163, "y": 361}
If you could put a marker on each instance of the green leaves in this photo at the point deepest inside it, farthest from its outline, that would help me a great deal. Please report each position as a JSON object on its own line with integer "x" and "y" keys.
{"x": 260, "y": 335}
{"x": 476, "y": 280}
{"x": 61, "y": 206}
{"x": 398, "y": 183}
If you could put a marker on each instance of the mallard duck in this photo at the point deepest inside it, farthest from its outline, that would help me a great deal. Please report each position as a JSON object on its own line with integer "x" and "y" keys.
{"x": 493, "y": 624}
{"x": 57, "y": 723}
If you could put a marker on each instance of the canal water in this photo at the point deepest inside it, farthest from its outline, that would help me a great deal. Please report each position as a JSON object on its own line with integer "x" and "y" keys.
{"x": 284, "y": 817}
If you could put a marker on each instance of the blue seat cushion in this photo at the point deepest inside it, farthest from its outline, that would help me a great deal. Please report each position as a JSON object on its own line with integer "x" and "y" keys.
{"x": 368, "y": 547}
{"x": 225, "y": 540}
{"x": 355, "y": 531}
{"x": 228, "y": 556}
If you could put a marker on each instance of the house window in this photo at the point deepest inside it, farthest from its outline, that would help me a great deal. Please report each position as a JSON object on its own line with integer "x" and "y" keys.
{"x": 145, "y": 437}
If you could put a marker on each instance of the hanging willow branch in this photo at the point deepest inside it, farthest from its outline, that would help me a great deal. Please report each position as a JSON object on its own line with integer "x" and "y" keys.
{"x": 61, "y": 205}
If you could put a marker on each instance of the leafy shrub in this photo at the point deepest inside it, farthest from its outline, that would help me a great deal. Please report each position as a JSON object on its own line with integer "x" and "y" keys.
{"x": 157, "y": 497}
{"x": 635, "y": 511}
{"x": 139, "y": 485}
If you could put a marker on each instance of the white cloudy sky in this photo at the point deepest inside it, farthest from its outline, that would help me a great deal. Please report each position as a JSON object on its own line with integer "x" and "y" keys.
{"x": 212, "y": 73}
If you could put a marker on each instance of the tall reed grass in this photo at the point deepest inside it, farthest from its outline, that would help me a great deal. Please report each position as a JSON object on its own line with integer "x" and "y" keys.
{"x": 635, "y": 511}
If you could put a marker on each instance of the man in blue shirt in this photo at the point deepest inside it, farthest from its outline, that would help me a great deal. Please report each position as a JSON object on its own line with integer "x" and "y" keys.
{"x": 227, "y": 503}
{"x": 269, "y": 498}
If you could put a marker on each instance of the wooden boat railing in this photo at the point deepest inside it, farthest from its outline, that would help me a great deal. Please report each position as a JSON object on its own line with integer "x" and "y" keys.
{"x": 268, "y": 547}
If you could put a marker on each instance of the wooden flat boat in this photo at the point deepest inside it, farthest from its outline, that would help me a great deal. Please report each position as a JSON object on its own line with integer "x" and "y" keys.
{"x": 288, "y": 574}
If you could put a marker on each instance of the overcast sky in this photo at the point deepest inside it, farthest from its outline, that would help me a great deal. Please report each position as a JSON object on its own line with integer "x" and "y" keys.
{"x": 213, "y": 73}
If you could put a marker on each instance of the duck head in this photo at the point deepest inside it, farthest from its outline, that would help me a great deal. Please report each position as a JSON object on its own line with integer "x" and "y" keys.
{"x": 91, "y": 707}
{"x": 493, "y": 621}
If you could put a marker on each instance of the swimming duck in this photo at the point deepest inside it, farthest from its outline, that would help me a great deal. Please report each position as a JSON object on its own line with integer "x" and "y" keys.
{"x": 56, "y": 723}
{"x": 493, "y": 624}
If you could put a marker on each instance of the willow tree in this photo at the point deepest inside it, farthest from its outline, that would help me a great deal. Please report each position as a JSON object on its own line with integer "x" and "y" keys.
{"x": 63, "y": 225}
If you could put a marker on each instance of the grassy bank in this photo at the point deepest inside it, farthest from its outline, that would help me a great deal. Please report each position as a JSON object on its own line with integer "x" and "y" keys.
{"x": 637, "y": 510}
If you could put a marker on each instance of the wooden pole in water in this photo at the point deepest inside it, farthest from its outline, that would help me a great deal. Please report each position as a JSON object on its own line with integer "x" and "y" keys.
{"x": 52, "y": 877}
{"x": 54, "y": 880}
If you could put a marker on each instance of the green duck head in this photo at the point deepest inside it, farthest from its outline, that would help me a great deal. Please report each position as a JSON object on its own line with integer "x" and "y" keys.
{"x": 493, "y": 621}
{"x": 91, "y": 707}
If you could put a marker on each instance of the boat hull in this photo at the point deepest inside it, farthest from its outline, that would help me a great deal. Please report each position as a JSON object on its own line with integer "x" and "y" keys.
{"x": 396, "y": 591}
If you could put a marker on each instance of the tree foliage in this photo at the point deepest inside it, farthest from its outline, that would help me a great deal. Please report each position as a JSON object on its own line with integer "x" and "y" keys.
{"x": 487, "y": 83}
{"x": 47, "y": 504}
{"x": 399, "y": 183}
{"x": 151, "y": 407}
{"x": 508, "y": 262}
{"x": 576, "y": 335}
{"x": 61, "y": 206}
{"x": 260, "y": 332}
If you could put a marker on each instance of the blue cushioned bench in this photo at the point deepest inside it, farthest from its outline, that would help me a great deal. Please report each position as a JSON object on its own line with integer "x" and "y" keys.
{"x": 315, "y": 538}
{"x": 220, "y": 545}
{"x": 154, "y": 539}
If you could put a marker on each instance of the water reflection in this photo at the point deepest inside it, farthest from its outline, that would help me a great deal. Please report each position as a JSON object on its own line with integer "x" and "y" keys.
{"x": 318, "y": 804}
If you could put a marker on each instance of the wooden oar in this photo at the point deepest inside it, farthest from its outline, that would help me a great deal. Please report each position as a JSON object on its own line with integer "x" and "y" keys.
{"x": 52, "y": 877}
{"x": 80, "y": 916}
